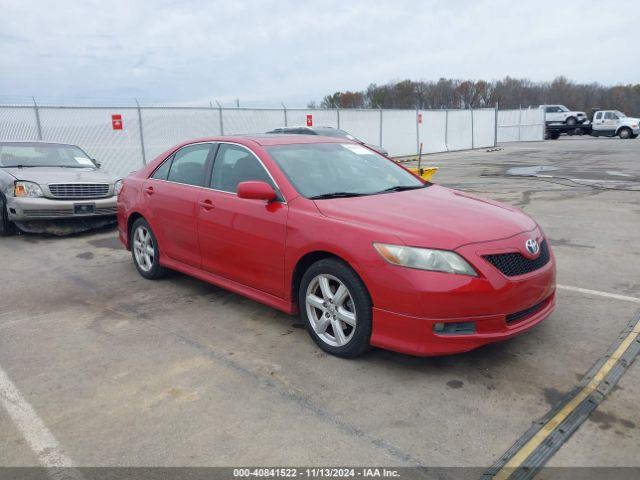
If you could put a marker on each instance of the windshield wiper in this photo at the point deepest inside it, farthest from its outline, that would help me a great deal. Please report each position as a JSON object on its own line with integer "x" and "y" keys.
{"x": 337, "y": 195}
{"x": 401, "y": 188}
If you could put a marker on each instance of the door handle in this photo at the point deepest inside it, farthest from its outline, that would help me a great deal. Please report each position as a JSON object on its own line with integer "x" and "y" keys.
{"x": 148, "y": 190}
{"x": 207, "y": 204}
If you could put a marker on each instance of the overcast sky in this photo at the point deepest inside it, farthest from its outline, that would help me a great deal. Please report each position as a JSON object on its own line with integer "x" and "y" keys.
{"x": 294, "y": 51}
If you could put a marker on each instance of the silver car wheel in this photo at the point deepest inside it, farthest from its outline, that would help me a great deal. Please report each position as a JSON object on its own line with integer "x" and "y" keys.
{"x": 143, "y": 248}
{"x": 331, "y": 310}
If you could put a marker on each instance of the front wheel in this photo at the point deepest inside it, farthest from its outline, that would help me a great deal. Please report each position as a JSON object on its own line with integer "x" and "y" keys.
{"x": 624, "y": 133}
{"x": 6, "y": 226}
{"x": 571, "y": 121}
{"x": 144, "y": 250}
{"x": 336, "y": 308}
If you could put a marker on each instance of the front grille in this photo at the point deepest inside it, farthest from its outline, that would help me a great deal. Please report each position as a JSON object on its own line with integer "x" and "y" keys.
{"x": 512, "y": 264}
{"x": 79, "y": 190}
{"x": 515, "y": 317}
{"x": 47, "y": 213}
{"x": 106, "y": 211}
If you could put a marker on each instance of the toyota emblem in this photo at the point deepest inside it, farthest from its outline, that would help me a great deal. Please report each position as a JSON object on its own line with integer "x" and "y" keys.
{"x": 532, "y": 246}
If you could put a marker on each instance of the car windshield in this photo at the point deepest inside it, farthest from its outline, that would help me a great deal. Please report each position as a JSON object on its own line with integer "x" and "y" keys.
{"x": 329, "y": 170}
{"x": 43, "y": 155}
{"x": 563, "y": 108}
{"x": 619, "y": 114}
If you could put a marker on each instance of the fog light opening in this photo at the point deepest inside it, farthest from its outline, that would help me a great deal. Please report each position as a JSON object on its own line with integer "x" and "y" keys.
{"x": 454, "y": 328}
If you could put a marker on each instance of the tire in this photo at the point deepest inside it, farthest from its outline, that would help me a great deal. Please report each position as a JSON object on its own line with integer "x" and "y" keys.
{"x": 146, "y": 262}
{"x": 571, "y": 121}
{"x": 624, "y": 133}
{"x": 7, "y": 227}
{"x": 555, "y": 135}
{"x": 635, "y": 135}
{"x": 325, "y": 313}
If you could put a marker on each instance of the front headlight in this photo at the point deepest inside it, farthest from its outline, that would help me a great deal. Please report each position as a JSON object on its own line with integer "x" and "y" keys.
{"x": 27, "y": 189}
{"x": 117, "y": 186}
{"x": 425, "y": 259}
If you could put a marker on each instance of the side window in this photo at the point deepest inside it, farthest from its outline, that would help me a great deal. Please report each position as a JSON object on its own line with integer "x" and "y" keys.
{"x": 598, "y": 115}
{"x": 162, "y": 171}
{"x": 235, "y": 164}
{"x": 189, "y": 163}
{"x": 608, "y": 116}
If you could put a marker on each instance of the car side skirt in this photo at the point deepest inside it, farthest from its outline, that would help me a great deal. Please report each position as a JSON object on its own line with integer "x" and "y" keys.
{"x": 235, "y": 287}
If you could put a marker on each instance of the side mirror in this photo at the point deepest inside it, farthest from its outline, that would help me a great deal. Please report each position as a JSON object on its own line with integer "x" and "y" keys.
{"x": 96, "y": 163}
{"x": 256, "y": 190}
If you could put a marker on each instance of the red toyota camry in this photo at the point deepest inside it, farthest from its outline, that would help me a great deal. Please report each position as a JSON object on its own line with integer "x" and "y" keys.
{"x": 366, "y": 252}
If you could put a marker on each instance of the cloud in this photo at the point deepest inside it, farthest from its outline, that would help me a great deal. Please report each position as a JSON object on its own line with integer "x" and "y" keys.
{"x": 293, "y": 51}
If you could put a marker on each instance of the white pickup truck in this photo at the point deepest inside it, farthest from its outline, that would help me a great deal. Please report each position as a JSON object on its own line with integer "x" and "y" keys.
{"x": 605, "y": 123}
{"x": 609, "y": 123}
{"x": 561, "y": 114}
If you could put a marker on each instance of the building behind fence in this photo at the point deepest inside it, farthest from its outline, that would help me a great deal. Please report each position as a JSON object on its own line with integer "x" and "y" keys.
{"x": 147, "y": 131}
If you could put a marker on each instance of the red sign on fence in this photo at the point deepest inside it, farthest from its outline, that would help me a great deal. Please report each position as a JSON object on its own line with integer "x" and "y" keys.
{"x": 116, "y": 122}
{"x": 419, "y": 118}
{"x": 309, "y": 120}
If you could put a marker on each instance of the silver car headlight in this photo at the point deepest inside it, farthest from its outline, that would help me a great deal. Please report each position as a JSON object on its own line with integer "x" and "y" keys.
{"x": 425, "y": 259}
{"x": 117, "y": 186}
{"x": 27, "y": 189}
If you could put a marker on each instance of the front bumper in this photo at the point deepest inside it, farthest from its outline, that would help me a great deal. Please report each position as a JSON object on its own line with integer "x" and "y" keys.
{"x": 23, "y": 209}
{"x": 418, "y": 337}
{"x": 408, "y": 303}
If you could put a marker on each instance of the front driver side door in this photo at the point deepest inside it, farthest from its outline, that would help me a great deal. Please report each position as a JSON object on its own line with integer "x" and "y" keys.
{"x": 242, "y": 240}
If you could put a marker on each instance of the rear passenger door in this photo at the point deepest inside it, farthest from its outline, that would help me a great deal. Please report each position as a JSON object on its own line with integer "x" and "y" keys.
{"x": 171, "y": 195}
{"x": 241, "y": 239}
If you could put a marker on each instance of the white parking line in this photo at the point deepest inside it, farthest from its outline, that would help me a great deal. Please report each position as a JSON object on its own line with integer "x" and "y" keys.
{"x": 598, "y": 293}
{"x": 33, "y": 429}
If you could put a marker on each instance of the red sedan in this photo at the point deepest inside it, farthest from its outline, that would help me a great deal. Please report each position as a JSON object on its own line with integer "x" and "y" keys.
{"x": 366, "y": 252}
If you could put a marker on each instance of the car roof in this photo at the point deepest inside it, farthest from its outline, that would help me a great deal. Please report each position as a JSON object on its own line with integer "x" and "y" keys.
{"x": 270, "y": 139}
{"x": 35, "y": 142}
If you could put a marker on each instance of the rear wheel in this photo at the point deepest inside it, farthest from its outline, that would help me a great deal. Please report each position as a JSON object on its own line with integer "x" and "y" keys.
{"x": 625, "y": 133}
{"x": 336, "y": 308}
{"x": 571, "y": 121}
{"x": 6, "y": 226}
{"x": 144, "y": 250}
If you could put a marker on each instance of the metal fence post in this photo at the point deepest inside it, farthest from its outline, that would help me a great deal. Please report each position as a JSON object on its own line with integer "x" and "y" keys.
{"x": 220, "y": 118}
{"x": 544, "y": 121}
{"x": 284, "y": 109}
{"x": 338, "y": 116}
{"x": 495, "y": 127}
{"x": 446, "y": 129}
{"x": 472, "y": 141}
{"x": 144, "y": 156}
{"x": 37, "y": 112}
{"x": 417, "y": 132}
{"x": 519, "y": 122}
{"x": 380, "y": 127}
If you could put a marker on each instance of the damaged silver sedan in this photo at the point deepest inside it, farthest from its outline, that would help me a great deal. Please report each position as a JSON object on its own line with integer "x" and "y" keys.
{"x": 53, "y": 186}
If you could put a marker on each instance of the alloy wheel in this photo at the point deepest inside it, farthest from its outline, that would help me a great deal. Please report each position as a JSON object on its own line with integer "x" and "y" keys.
{"x": 143, "y": 248}
{"x": 331, "y": 310}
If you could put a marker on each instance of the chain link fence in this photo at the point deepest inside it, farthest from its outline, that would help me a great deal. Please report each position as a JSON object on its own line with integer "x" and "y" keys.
{"x": 125, "y": 137}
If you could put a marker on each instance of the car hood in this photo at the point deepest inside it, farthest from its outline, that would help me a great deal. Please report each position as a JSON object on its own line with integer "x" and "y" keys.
{"x": 434, "y": 217}
{"x": 46, "y": 175}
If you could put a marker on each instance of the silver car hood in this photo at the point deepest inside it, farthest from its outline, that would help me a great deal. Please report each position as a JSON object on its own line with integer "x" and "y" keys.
{"x": 46, "y": 175}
